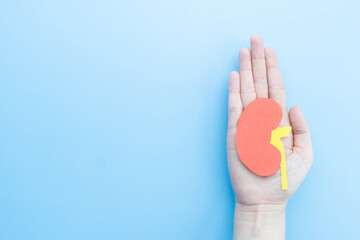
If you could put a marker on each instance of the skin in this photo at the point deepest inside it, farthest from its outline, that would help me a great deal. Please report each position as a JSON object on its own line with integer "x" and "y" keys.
{"x": 260, "y": 203}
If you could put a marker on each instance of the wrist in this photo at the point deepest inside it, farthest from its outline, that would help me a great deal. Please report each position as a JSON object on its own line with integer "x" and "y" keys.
{"x": 259, "y": 221}
{"x": 261, "y": 208}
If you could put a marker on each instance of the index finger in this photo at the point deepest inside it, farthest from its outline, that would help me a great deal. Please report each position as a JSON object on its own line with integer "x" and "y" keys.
{"x": 277, "y": 91}
{"x": 275, "y": 82}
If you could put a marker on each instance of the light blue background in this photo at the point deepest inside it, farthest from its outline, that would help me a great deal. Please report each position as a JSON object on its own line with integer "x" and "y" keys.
{"x": 113, "y": 115}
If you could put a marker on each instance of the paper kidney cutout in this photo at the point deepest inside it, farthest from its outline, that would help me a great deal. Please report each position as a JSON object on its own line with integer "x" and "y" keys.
{"x": 254, "y": 136}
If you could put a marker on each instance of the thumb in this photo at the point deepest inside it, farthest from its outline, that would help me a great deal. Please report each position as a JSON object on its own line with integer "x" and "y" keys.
{"x": 301, "y": 131}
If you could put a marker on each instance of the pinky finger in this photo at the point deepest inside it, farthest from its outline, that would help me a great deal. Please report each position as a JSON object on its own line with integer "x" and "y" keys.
{"x": 234, "y": 104}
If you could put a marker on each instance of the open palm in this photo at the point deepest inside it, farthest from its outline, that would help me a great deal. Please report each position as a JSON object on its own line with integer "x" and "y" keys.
{"x": 259, "y": 77}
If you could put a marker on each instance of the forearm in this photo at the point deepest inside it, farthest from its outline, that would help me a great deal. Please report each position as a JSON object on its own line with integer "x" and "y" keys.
{"x": 262, "y": 222}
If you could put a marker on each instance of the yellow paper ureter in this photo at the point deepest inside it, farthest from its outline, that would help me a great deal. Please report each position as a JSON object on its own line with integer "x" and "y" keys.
{"x": 276, "y": 136}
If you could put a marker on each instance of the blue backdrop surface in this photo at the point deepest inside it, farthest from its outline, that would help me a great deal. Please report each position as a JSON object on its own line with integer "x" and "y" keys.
{"x": 113, "y": 115}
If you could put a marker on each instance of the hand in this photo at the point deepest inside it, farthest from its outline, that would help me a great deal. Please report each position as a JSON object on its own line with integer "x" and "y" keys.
{"x": 259, "y": 77}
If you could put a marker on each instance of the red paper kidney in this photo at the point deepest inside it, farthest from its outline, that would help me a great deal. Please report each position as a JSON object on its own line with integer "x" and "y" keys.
{"x": 253, "y": 136}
